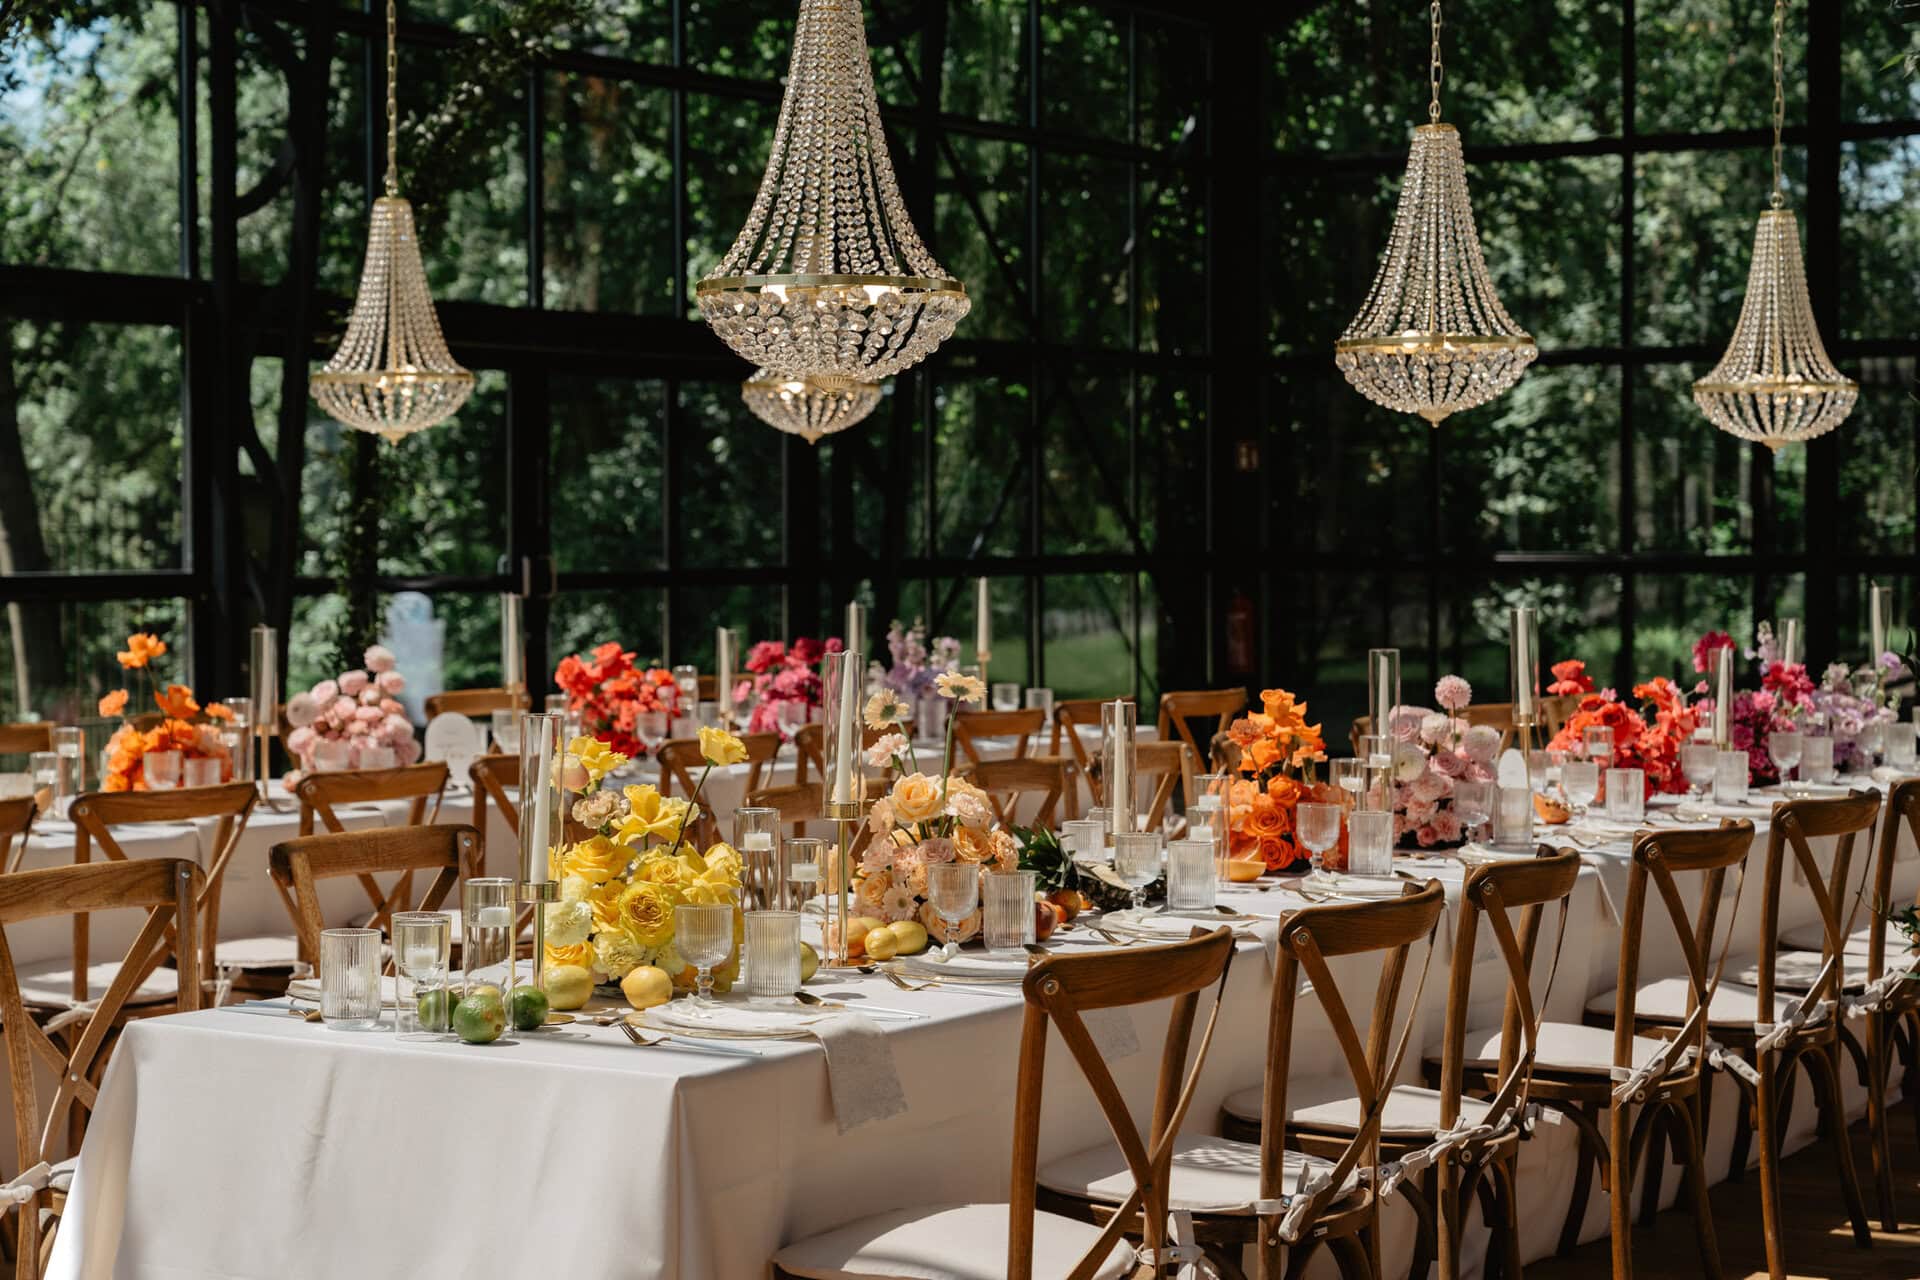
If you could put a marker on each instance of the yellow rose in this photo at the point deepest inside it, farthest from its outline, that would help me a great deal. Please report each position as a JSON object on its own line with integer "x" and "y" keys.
{"x": 724, "y": 858}
{"x": 970, "y": 845}
{"x": 702, "y": 893}
{"x": 646, "y": 913}
{"x": 651, "y": 814}
{"x": 915, "y": 798}
{"x": 692, "y": 862}
{"x": 658, "y": 870}
{"x": 595, "y": 756}
{"x": 717, "y": 746}
{"x": 581, "y": 953}
{"x": 595, "y": 860}
{"x": 605, "y": 902}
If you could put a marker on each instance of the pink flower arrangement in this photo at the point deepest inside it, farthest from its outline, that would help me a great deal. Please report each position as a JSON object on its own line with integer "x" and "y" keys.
{"x": 1433, "y": 754}
{"x": 1453, "y": 694}
{"x": 359, "y": 709}
{"x": 1703, "y": 649}
{"x": 781, "y": 674}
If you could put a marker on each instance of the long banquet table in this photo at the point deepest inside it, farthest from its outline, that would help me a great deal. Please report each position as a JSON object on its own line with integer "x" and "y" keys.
{"x": 241, "y": 1141}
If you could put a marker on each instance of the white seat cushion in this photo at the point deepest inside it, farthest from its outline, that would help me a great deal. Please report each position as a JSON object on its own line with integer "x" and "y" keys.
{"x": 1321, "y": 1103}
{"x": 946, "y": 1242}
{"x": 48, "y": 984}
{"x": 1210, "y": 1175}
{"x": 1564, "y": 1046}
{"x": 1666, "y": 998}
{"x": 268, "y": 951}
{"x": 1796, "y": 971}
{"x": 1810, "y": 937}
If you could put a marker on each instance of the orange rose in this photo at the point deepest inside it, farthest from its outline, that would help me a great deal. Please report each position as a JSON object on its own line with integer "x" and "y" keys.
{"x": 114, "y": 703}
{"x": 1265, "y": 819}
{"x": 141, "y": 649}
{"x": 219, "y": 711}
{"x": 177, "y": 702}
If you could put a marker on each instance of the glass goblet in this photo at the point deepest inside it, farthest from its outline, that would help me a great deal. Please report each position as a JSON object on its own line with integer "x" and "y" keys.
{"x": 703, "y": 934}
{"x": 1473, "y": 802}
{"x": 651, "y": 728}
{"x": 1319, "y": 828}
{"x": 1784, "y": 748}
{"x": 1581, "y": 778}
{"x": 954, "y": 890}
{"x": 1697, "y": 763}
{"x": 1136, "y": 860}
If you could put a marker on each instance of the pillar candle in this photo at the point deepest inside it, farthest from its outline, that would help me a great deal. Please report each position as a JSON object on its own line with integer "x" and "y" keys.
{"x": 539, "y": 775}
{"x": 265, "y": 670}
{"x": 1524, "y": 662}
{"x": 1118, "y": 723}
{"x": 1879, "y": 602}
{"x": 1383, "y": 687}
{"x": 1790, "y": 640}
{"x": 856, "y": 636}
{"x": 723, "y": 664}
{"x": 847, "y": 727}
{"x": 513, "y": 661}
{"x": 1723, "y": 696}
{"x": 983, "y": 622}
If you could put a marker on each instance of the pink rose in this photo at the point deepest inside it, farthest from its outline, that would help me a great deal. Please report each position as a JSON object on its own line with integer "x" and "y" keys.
{"x": 379, "y": 659}
{"x": 935, "y": 850}
{"x": 392, "y": 682}
{"x": 352, "y": 682}
{"x": 391, "y": 707}
{"x": 302, "y": 710}
{"x": 326, "y": 691}
{"x": 343, "y": 708}
{"x": 358, "y": 729}
{"x": 1420, "y": 812}
{"x": 407, "y": 750}
{"x": 1446, "y": 825}
{"x": 1426, "y": 836}
{"x": 1450, "y": 763}
{"x": 1481, "y": 743}
{"x": 370, "y": 714}
{"x": 369, "y": 697}
{"x": 574, "y": 775}
{"x": 1431, "y": 786}
{"x": 301, "y": 740}
{"x": 397, "y": 724}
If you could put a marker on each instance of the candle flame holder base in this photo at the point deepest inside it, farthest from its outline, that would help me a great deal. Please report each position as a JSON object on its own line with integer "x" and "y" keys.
{"x": 541, "y": 894}
{"x": 845, "y": 818}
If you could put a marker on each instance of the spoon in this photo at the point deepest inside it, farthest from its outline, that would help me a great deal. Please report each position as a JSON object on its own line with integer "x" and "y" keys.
{"x": 813, "y": 1001}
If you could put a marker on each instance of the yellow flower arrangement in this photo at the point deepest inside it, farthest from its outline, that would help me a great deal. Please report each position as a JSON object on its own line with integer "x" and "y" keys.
{"x": 717, "y": 747}
{"x": 595, "y": 757}
{"x": 651, "y": 814}
{"x": 916, "y": 798}
{"x": 596, "y": 860}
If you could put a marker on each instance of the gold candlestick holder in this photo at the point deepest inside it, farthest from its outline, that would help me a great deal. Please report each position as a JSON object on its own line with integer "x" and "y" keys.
{"x": 981, "y": 658}
{"x": 846, "y": 817}
{"x": 540, "y": 894}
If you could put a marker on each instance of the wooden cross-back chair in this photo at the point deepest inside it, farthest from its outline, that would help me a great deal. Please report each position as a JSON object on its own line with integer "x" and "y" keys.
{"x": 1163, "y": 766}
{"x": 300, "y": 864}
{"x": 1790, "y": 1019}
{"x": 321, "y": 793}
{"x": 969, "y": 727}
{"x": 810, "y": 746}
{"x": 493, "y": 776}
{"x": 1179, "y": 710}
{"x": 798, "y": 804}
{"x": 169, "y": 891}
{"x": 95, "y": 816}
{"x": 1261, "y": 1194}
{"x": 25, "y": 738}
{"x": 1068, "y": 717}
{"x": 1009, "y": 782}
{"x": 16, "y": 820}
{"x": 681, "y": 765}
{"x": 476, "y": 702}
{"x": 1020, "y": 1239}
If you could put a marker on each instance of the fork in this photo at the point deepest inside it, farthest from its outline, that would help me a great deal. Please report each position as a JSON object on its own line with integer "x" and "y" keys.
{"x": 674, "y": 1042}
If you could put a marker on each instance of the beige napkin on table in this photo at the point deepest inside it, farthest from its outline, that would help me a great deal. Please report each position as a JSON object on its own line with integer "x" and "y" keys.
{"x": 861, "y": 1077}
{"x": 1111, "y": 1031}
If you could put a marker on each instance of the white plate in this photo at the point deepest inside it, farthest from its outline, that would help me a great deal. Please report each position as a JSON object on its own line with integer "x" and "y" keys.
{"x": 736, "y": 1020}
{"x": 1474, "y": 854}
{"x": 1349, "y": 886}
{"x": 966, "y": 966}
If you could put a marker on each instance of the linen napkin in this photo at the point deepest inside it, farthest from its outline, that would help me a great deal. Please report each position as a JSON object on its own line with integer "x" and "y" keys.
{"x": 861, "y": 1077}
{"x": 1112, "y": 1033}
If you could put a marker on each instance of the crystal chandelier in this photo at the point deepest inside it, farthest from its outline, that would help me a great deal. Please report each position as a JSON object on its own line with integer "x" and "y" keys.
{"x": 1775, "y": 384}
{"x": 1432, "y": 337}
{"x": 809, "y": 407}
{"x": 828, "y": 276}
{"x": 392, "y": 374}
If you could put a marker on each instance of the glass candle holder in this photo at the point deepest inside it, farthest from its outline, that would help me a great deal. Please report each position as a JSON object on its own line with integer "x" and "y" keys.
{"x": 756, "y": 837}
{"x": 162, "y": 769}
{"x": 1730, "y": 777}
{"x": 1040, "y": 699}
{"x": 773, "y": 956}
{"x": 486, "y": 931}
{"x": 806, "y": 861}
{"x": 1513, "y": 819}
{"x": 1816, "y": 760}
{"x": 1006, "y": 695}
{"x": 1348, "y": 773}
{"x": 1207, "y": 816}
{"x": 201, "y": 771}
{"x": 1899, "y": 741}
{"x": 350, "y": 978}
{"x": 70, "y": 744}
{"x": 43, "y": 770}
{"x": 1007, "y": 918}
{"x": 422, "y": 945}
{"x": 1192, "y": 879}
{"x": 1370, "y": 842}
{"x": 375, "y": 757}
{"x": 843, "y": 781}
{"x": 1626, "y": 795}
{"x": 1084, "y": 838}
{"x": 1119, "y": 764}
{"x": 686, "y": 678}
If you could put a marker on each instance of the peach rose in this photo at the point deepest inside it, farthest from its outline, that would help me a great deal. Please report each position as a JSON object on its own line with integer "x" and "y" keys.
{"x": 915, "y": 798}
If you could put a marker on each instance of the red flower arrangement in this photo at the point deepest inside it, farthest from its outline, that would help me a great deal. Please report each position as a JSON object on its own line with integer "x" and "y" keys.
{"x": 1703, "y": 649}
{"x": 783, "y": 674}
{"x": 1648, "y": 739}
{"x": 1570, "y": 677}
{"x": 609, "y": 693}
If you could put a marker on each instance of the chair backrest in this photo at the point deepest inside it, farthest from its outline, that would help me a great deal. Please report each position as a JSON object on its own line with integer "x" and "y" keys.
{"x": 1490, "y": 893}
{"x": 810, "y": 745}
{"x": 16, "y": 817}
{"x": 798, "y": 804}
{"x": 971, "y": 726}
{"x": 1069, "y": 714}
{"x": 1794, "y": 823}
{"x": 299, "y": 865}
{"x": 320, "y": 792}
{"x": 681, "y": 765}
{"x": 1058, "y": 990}
{"x": 1308, "y": 939}
{"x": 492, "y": 777}
{"x": 167, "y": 889}
{"x": 1007, "y": 782}
{"x": 1903, "y": 811}
{"x": 1657, "y": 857}
{"x": 95, "y": 814}
{"x": 476, "y": 702}
{"x": 706, "y": 689}
{"x": 1555, "y": 710}
{"x": 25, "y": 739}
{"x": 1163, "y": 765}
{"x": 1179, "y": 710}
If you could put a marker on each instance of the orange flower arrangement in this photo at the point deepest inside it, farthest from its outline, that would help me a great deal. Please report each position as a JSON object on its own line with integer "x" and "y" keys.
{"x": 178, "y": 729}
{"x": 1278, "y": 750}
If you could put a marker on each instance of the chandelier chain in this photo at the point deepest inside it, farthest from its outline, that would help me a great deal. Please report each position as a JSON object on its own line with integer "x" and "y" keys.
{"x": 1435, "y": 71}
{"x": 393, "y": 105}
{"x": 1779, "y": 97}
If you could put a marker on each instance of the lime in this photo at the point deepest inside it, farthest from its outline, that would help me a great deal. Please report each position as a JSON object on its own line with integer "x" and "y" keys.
{"x": 434, "y": 1008}
{"x": 479, "y": 1019}
{"x": 528, "y": 1004}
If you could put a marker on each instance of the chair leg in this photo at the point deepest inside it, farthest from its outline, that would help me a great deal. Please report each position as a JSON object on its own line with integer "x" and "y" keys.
{"x": 1877, "y": 1079}
{"x": 1766, "y": 1103}
{"x": 1743, "y": 1122}
{"x": 1694, "y": 1172}
{"x": 1298, "y": 1256}
{"x": 1823, "y": 1063}
{"x": 1422, "y": 1199}
{"x": 1620, "y": 1187}
{"x": 1509, "y": 1232}
{"x": 1656, "y": 1167}
{"x": 1351, "y": 1256}
{"x": 1590, "y": 1155}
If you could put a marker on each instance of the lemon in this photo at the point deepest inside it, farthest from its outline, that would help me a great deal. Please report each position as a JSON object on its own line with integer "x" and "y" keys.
{"x": 646, "y": 987}
{"x": 809, "y": 961}
{"x": 480, "y": 1018}
{"x": 882, "y": 944}
{"x": 528, "y": 1005}
{"x": 910, "y": 937}
{"x": 568, "y": 986}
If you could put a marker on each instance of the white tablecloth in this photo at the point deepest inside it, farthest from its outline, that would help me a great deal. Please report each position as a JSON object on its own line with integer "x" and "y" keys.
{"x": 244, "y": 1142}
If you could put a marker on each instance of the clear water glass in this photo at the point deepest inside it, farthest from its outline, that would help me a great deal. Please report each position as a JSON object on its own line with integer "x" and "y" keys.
{"x": 202, "y": 771}
{"x": 377, "y": 758}
{"x": 1318, "y": 826}
{"x": 703, "y": 934}
{"x": 1007, "y": 909}
{"x": 1006, "y": 695}
{"x": 486, "y": 931}
{"x": 350, "y": 978}
{"x": 1513, "y": 817}
{"x": 422, "y": 946}
{"x": 1598, "y": 742}
{"x": 773, "y": 955}
{"x": 686, "y": 678}
{"x": 1207, "y": 815}
{"x": 1472, "y": 804}
{"x": 331, "y": 755}
{"x": 1730, "y": 777}
{"x": 1626, "y": 794}
{"x": 1193, "y": 884}
{"x": 1041, "y": 698}
{"x": 162, "y": 769}
{"x": 1136, "y": 860}
{"x": 1581, "y": 778}
{"x": 954, "y": 890}
{"x": 1697, "y": 764}
{"x": 806, "y": 859}
{"x": 651, "y": 728}
{"x": 1370, "y": 843}
{"x": 1900, "y": 744}
{"x": 70, "y": 744}
{"x": 1084, "y": 837}
{"x": 1816, "y": 760}
{"x": 756, "y": 837}
{"x": 1104, "y": 816}
{"x": 506, "y": 732}
{"x": 1784, "y": 748}
{"x": 43, "y": 767}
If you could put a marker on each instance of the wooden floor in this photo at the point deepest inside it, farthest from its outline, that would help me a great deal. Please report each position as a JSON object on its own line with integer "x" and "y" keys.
{"x": 1819, "y": 1240}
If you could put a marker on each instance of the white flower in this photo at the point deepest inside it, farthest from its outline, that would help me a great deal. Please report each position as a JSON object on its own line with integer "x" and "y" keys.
{"x": 961, "y": 688}
{"x": 598, "y": 809}
{"x": 971, "y": 807}
{"x": 568, "y": 923}
{"x": 575, "y": 889}
{"x": 616, "y": 956}
{"x": 669, "y": 960}
{"x": 1409, "y": 762}
{"x": 899, "y": 904}
{"x": 882, "y": 752}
